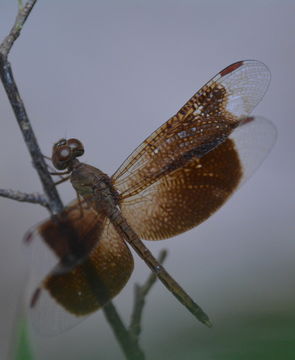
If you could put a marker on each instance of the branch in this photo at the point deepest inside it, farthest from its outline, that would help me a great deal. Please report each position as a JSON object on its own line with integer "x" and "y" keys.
{"x": 54, "y": 203}
{"x": 34, "y": 198}
{"x": 127, "y": 341}
{"x": 21, "y": 18}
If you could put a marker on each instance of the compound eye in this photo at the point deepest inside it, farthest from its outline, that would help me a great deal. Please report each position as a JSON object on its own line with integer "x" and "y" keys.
{"x": 61, "y": 157}
{"x": 76, "y": 147}
{"x": 58, "y": 144}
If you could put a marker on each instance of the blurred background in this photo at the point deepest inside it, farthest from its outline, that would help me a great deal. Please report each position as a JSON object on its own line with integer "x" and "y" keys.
{"x": 110, "y": 72}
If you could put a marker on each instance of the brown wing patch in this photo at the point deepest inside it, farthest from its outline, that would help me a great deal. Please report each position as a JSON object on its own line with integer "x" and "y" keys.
{"x": 107, "y": 268}
{"x": 185, "y": 197}
{"x": 71, "y": 235}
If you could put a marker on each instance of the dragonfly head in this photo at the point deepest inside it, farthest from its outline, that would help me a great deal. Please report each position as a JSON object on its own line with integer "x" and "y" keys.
{"x": 64, "y": 152}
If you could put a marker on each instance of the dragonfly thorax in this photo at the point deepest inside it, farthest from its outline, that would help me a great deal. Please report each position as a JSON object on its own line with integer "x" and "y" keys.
{"x": 95, "y": 187}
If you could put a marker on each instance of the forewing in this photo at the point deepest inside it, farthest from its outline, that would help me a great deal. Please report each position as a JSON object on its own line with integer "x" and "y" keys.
{"x": 203, "y": 123}
{"x": 62, "y": 297}
{"x": 189, "y": 195}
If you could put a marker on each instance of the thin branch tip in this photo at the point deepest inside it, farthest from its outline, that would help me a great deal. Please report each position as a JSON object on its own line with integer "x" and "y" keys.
{"x": 22, "y": 15}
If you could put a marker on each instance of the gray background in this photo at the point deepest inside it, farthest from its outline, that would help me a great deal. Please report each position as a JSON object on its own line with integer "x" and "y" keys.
{"x": 110, "y": 72}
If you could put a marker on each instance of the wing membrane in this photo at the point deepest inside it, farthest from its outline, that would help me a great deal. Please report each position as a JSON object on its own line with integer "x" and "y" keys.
{"x": 204, "y": 122}
{"x": 187, "y": 196}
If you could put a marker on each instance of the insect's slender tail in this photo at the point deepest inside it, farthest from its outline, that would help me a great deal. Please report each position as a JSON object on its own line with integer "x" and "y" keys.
{"x": 131, "y": 237}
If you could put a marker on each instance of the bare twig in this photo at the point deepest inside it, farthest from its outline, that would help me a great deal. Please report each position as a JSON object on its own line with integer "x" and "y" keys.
{"x": 34, "y": 198}
{"x": 140, "y": 293}
{"x": 6, "y": 75}
{"x": 21, "y": 18}
{"x": 128, "y": 343}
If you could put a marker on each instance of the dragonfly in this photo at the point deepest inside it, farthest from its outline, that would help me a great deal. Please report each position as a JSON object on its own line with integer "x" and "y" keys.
{"x": 173, "y": 181}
